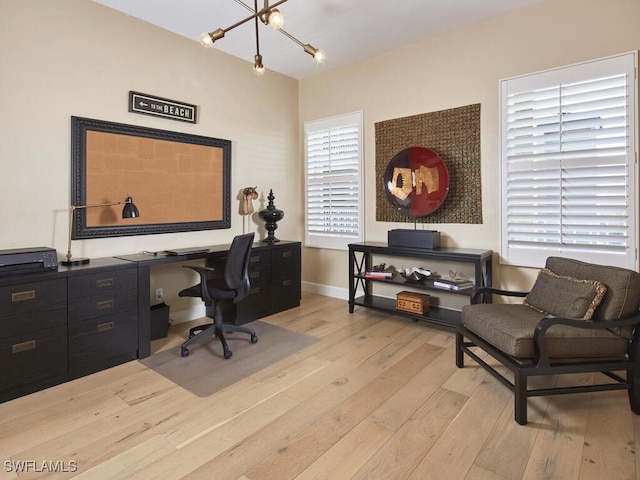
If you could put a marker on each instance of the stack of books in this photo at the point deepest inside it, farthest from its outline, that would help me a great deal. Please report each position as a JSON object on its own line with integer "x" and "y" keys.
{"x": 452, "y": 284}
{"x": 378, "y": 274}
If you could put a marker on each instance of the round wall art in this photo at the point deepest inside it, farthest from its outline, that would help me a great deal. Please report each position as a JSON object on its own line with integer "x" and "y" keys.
{"x": 416, "y": 181}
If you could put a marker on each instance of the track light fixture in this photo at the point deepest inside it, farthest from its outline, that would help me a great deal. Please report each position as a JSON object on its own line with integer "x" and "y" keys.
{"x": 269, "y": 15}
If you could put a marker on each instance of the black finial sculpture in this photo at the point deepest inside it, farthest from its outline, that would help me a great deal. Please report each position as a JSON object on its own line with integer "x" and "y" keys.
{"x": 271, "y": 215}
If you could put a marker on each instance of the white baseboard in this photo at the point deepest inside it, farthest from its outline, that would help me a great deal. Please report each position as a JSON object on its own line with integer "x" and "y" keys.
{"x": 326, "y": 290}
{"x": 188, "y": 314}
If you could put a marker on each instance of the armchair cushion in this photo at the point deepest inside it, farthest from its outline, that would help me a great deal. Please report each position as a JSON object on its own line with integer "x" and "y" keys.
{"x": 622, "y": 285}
{"x": 510, "y": 328}
{"x": 564, "y": 296}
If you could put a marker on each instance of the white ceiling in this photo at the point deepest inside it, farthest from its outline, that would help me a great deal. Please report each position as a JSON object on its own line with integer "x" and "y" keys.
{"x": 347, "y": 30}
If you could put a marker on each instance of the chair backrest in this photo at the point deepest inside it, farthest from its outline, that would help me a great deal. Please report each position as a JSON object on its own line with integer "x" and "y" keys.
{"x": 623, "y": 285}
{"x": 236, "y": 270}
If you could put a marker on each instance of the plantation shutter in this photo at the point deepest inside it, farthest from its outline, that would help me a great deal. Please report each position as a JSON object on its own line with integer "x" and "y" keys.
{"x": 333, "y": 159}
{"x": 568, "y": 164}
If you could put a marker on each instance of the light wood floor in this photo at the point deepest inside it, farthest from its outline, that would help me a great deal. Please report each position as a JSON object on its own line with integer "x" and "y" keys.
{"x": 377, "y": 397}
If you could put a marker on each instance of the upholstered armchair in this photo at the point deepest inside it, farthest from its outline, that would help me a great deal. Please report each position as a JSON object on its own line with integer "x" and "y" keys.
{"x": 578, "y": 317}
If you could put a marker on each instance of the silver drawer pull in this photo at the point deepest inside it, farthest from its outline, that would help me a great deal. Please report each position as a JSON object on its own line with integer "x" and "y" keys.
{"x": 22, "y": 296}
{"x": 103, "y": 327}
{"x": 287, "y": 283}
{"x": 255, "y": 259}
{"x": 254, "y": 275}
{"x": 24, "y": 346}
{"x": 255, "y": 290}
{"x": 105, "y": 304}
{"x": 106, "y": 282}
{"x": 286, "y": 254}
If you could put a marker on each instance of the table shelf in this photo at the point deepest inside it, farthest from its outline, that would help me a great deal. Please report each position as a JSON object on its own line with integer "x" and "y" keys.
{"x": 361, "y": 260}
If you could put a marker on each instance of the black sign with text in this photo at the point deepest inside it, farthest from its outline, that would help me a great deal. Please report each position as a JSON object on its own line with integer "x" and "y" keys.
{"x": 162, "y": 107}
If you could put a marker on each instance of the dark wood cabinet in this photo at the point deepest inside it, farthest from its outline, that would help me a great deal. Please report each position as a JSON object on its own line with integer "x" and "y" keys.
{"x": 33, "y": 336}
{"x": 103, "y": 320}
{"x": 274, "y": 273}
{"x": 60, "y": 325}
{"x": 362, "y": 258}
{"x": 285, "y": 277}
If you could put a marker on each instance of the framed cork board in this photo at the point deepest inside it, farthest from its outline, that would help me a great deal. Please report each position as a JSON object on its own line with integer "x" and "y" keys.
{"x": 179, "y": 182}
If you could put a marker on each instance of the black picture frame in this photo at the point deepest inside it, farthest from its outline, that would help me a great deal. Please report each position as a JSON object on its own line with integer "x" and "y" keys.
{"x": 81, "y": 126}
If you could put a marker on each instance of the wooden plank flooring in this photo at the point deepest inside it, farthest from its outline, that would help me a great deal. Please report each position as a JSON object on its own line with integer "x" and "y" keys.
{"x": 378, "y": 397}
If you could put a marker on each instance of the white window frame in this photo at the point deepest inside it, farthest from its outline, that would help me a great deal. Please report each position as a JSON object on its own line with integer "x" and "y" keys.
{"x": 336, "y": 234}
{"x": 544, "y": 208}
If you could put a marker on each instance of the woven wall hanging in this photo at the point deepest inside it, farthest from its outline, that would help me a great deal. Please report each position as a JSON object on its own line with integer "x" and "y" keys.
{"x": 454, "y": 135}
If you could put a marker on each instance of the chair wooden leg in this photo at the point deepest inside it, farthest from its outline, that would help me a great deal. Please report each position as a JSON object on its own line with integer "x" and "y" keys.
{"x": 633, "y": 377}
{"x": 520, "y": 397}
{"x": 459, "y": 352}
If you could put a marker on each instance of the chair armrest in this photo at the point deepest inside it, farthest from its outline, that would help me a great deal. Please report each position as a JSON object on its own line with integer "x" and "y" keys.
{"x": 202, "y": 271}
{"x": 481, "y": 291}
{"x": 539, "y": 339}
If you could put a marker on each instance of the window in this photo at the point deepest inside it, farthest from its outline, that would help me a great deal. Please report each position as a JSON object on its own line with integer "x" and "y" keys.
{"x": 333, "y": 167}
{"x": 568, "y": 164}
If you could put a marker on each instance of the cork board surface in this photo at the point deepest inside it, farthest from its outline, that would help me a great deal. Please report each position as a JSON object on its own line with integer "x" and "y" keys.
{"x": 454, "y": 134}
{"x": 169, "y": 182}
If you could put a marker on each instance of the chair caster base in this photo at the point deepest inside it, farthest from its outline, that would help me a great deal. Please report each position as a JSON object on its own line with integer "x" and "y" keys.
{"x": 184, "y": 352}
{"x": 254, "y": 339}
{"x": 227, "y": 354}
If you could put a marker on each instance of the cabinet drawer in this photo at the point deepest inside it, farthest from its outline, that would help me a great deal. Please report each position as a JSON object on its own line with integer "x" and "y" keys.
{"x": 101, "y": 342}
{"x": 259, "y": 268}
{"x": 286, "y": 294}
{"x": 32, "y": 357}
{"x": 286, "y": 263}
{"x": 102, "y": 283}
{"x": 259, "y": 259}
{"x": 29, "y": 298}
{"x": 101, "y": 305}
{"x": 259, "y": 274}
{"x": 32, "y": 322}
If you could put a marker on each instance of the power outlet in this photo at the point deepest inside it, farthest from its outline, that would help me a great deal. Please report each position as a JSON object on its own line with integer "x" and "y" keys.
{"x": 159, "y": 295}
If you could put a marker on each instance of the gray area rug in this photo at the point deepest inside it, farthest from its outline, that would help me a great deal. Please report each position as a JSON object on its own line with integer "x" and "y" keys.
{"x": 205, "y": 371}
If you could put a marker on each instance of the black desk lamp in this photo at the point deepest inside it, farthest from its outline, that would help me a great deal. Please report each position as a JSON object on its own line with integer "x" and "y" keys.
{"x": 128, "y": 211}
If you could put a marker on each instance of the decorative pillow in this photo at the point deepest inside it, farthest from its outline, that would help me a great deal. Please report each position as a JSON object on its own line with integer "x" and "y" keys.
{"x": 565, "y": 297}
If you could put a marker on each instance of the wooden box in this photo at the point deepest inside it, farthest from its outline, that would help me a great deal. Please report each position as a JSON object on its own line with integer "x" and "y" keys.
{"x": 412, "y": 302}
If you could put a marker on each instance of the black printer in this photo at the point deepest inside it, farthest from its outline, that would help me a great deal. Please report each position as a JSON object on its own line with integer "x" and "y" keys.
{"x": 17, "y": 261}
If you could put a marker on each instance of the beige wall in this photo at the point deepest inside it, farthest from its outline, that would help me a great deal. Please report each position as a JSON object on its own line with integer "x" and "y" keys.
{"x": 75, "y": 57}
{"x": 455, "y": 69}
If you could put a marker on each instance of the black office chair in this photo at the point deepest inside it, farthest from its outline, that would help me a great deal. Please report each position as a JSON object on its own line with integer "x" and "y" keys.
{"x": 233, "y": 286}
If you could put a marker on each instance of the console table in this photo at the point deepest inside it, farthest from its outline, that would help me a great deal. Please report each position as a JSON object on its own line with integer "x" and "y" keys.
{"x": 361, "y": 260}
{"x": 59, "y": 325}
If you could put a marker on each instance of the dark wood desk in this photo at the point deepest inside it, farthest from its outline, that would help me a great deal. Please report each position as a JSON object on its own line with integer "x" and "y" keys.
{"x": 59, "y": 325}
{"x": 274, "y": 271}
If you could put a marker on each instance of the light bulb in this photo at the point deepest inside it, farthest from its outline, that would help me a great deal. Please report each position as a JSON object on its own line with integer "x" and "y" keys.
{"x": 258, "y": 67}
{"x": 320, "y": 56}
{"x": 205, "y": 40}
{"x": 317, "y": 54}
{"x": 276, "y": 20}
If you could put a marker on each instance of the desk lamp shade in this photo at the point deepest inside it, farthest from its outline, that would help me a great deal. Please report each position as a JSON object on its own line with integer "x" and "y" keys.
{"x": 128, "y": 211}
